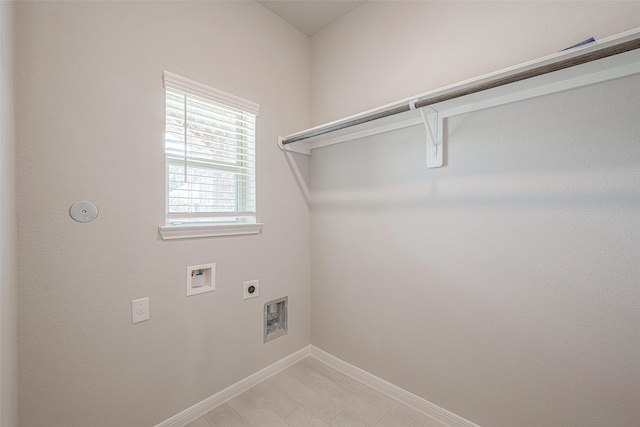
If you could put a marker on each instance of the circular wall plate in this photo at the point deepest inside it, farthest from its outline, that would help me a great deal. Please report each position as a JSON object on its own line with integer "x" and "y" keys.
{"x": 83, "y": 211}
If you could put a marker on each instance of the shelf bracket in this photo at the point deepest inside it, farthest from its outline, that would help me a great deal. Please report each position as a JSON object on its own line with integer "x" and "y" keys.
{"x": 433, "y": 123}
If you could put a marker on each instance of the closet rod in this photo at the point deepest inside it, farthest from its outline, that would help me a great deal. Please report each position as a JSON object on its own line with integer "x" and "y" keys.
{"x": 501, "y": 81}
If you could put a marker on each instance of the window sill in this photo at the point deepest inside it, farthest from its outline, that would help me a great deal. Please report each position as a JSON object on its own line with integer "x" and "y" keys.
{"x": 195, "y": 231}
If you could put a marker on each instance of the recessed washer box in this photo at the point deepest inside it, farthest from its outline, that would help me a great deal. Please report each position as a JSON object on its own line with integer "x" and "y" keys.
{"x": 201, "y": 278}
{"x": 276, "y": 318}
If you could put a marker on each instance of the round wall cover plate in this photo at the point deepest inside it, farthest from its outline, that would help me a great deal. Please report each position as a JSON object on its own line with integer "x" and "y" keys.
{"x": 83, "y": 211}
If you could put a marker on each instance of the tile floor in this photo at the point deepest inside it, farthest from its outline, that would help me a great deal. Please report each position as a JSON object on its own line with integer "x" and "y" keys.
{"x": 312, "y": 394}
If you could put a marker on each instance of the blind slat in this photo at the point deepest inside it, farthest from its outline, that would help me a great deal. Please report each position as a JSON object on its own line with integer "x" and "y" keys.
{"x": 177, "y": 138}
{"x": 219, "y": 166}
{"x": 177, "y": 112}
{"x": 227, "y": 148}
{"x": 219, "y": 156}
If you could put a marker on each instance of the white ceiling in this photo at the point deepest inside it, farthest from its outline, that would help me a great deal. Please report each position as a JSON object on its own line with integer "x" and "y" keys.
{"x": 311, "y": 16}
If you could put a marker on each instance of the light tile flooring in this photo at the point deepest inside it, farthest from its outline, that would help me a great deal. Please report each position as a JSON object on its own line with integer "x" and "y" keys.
{"x": 312, "y": 394}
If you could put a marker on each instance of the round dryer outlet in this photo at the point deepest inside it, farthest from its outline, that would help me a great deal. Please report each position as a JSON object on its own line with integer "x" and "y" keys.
{"x": 250, "y": 289}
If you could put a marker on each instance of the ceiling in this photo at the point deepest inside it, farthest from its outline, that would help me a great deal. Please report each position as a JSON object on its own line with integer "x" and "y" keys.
{"x": 311, "y": 16}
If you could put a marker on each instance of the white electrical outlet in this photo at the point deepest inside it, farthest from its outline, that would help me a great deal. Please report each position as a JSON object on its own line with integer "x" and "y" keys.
{"x": 250, "y": 289}
{"x": 140, "y": 310}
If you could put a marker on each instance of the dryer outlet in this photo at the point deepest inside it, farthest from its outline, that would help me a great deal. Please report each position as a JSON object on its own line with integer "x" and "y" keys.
{"x": 251, "y": 289}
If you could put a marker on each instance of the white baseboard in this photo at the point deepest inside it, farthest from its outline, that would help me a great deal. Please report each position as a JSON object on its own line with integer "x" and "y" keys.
{"x": 432, "y": 410}
{"x": 232, "y": 391}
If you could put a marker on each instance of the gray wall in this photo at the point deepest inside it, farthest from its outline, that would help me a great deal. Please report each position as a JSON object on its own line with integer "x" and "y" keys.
{"x": 8, "y": 227}
{"x": 90, "y": 116}
{"x": 504, "y": 286}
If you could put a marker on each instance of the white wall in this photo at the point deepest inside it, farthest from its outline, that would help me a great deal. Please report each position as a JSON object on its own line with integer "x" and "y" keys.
{"x": 385, "y": 51}
{"x": 8, "y": 227}
{"x": 504, "y": 286}
{"x": 90, "y": 123}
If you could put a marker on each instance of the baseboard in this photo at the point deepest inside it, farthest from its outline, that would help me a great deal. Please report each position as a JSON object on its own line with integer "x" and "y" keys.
{"x": 434, "y": 411}
{"x": 232, "y": 391}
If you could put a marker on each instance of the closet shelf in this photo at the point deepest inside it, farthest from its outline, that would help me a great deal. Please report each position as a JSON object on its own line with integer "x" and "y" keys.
{"x": 606, "y": 59}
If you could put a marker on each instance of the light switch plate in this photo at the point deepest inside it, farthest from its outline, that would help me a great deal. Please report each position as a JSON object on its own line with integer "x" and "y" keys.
{"x": 140, "y": 310}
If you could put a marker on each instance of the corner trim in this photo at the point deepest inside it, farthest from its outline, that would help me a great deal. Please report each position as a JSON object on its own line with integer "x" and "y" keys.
{"x": 233, "y": 390}
{"x": 430, "y": 409}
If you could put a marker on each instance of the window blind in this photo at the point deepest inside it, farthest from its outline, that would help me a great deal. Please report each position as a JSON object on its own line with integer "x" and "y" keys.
{"x": 210, "y": 157}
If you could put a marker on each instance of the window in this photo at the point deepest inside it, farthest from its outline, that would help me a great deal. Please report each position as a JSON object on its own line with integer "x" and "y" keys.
{"x": 210, "y": 156}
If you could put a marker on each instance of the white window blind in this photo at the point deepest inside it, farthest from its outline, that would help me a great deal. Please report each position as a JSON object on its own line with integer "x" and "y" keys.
{"x": 210, "y": 155}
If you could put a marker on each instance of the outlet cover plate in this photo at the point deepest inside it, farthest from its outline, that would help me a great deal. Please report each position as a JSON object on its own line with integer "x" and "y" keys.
{"x": 246, "y": 289}
{"x": 140, "y": 310}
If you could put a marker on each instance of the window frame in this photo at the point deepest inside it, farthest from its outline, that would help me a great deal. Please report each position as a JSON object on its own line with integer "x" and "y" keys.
{"x": 195, "y": 228}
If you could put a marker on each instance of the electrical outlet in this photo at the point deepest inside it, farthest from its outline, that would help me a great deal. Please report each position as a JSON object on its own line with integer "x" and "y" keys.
{"x": 250, "y": 289}
{"x": 140, "y": 310}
